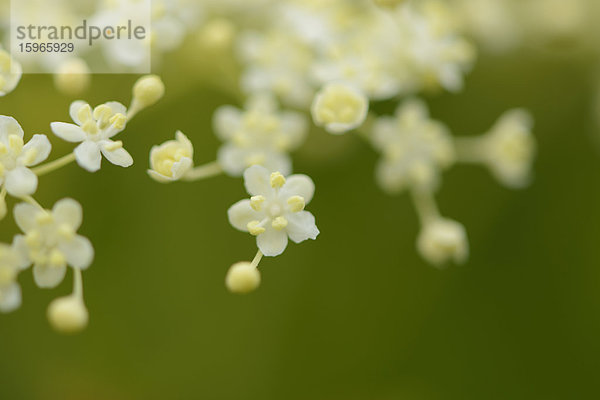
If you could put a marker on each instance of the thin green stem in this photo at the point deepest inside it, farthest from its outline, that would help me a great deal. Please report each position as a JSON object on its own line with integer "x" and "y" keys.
{"x": 54, "y": 165}
{"x": 33, "y": 202}
{"x": 77, "y": 284}
{"x": 470, "y": 149}
{"x": 257, "y": 259}
{"x": 425, "y": 205}
{"x": 204, "y": 171}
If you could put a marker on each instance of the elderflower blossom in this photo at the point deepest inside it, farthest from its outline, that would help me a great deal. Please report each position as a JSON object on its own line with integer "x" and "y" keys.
{"x": 442, "y": 240}
{"x": 260, "y": 134}
{"x": 10, "y": 73}
{"x": 415, "y": 149}
{"x": 339, "y": 108}
{"x": 11, "y": 263}
{"x": 51, "y": 242}
{"x": 275, "y": 212}
{"x": 93, "y": 130}
{"x": 16, "y": 157}
{"x": 171, "y": 160}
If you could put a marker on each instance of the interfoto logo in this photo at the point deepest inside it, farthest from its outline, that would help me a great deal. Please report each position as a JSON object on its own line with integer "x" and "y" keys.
{"x": 110, "y": 37}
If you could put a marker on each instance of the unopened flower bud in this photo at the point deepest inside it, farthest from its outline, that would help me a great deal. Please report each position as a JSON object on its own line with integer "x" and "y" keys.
{"x": 68, "y": 314}
{"x": 242, "y": 277}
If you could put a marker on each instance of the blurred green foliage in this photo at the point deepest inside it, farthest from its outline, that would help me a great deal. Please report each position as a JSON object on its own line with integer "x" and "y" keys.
{"x": 354, "y": 315}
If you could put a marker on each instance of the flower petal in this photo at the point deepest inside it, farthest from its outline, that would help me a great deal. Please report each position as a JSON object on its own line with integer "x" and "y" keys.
{"x": 226, "y": 121}
{"x": 25, "y": 215}
{"x": 10, "y": 297}
{"x": 21, "y": 182}
{"x": 116, "y": 107}
{"x": 46, "y": 276}
{"x": 257, "y": 180}
{"x": 181, "y": 167}
{"x": 158, "y": 177}
{"x": 118, "y": 156}
{"x": 301, "y": 226}
{"x": 68, "y": 211}
{"x": 299, "y": 185}
{"x": 21, "y": 250}
{"x": 187, "y": 143}
{"x": 232, "y": 159}
{"x": 9, "y": 126}
{"x": 74, "y": 109}
{"x": 88, "y": 156}
{"x": 78, "y": 251}
{"x": 241, "y": 213}
{"x": 272, "y": 242}
{"x": 69, "y": 132}
{"x": 41, "y": 146}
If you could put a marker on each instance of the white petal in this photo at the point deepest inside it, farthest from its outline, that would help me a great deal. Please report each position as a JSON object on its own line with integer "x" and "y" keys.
{"x": 74, "y": 109}
{"x": 301, "y": 226}
{"x": 181, "y": 167}
{"x": 187, "y": 143}
{"x": 257, "y": 180}
{"x": 299, "y": 185}
{"x": 226, "y": 121}
{"x": 272, "y": 242}
{"x": 25, "y": 215}
{"x": 9, "y": 126}
{"x": 20, "y": 182}
{"x": 232, "y": 159}
{"x": 41, "y": 145}
{"x": 68, "y": 211}
{"x": 78, "y": 251}
{"x": 69, "y": 132}
{"x": 241, "y": 213}
{"x": 48, "y": 277}
{"x": 10, "y": 298}
{"x": 280, "y": 162}
{"x": 116, "y": 107}
{"x": 118, "y": 156}
{"x": 158, "y": 177}
{"x": 21, "y": 250}
{"x": 88, "y": 156}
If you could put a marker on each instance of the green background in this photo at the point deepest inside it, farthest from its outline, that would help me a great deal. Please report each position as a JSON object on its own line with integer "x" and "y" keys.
{"x": 355, "y": 314}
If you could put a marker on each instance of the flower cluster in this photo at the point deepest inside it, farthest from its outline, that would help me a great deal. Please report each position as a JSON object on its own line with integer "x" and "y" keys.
{"x": 49, "y": 241}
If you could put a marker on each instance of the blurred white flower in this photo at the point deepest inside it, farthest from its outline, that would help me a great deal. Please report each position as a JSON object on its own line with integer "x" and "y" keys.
{"x": 260, "y": 134}
{"x": 415, "y": 148}
{"x": 11, "y": 263}
{"x": 276, "y": 209}
{"x": 16, "y": 157}
{"x": 442, "y": 240}
{"x": 242, "y": 277}
{"x": 171, "y": 160}
{"x": 51, "y": 242}
{"x": 68, "y": 314}
{"x": 339, "y": 108}
{"x": 94, "y": 130}
{"x": 72, "y": 76}
{"x": 10, "y": 73}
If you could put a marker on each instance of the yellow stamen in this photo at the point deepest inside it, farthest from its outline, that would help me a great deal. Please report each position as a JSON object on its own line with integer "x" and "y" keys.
{"x": 277, "y": 180}
{"x": 254, "y": 228}
{"x": 296, "y": 203}
{"x": 15, "y": 143}
{"x": 118, "y": 121}
{"x": 84, "y": 114}
{"x": 279, "y": 223}
{"x": 256, "y": 202}
{"x": 114, "y": 145}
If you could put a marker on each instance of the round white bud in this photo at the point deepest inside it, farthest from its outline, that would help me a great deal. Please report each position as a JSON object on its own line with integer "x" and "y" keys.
{"x": 339, "y": 108}
{"x": 72, "y": 77}
{"x": 242, "y": 277}
{"x": 443, "y": 240}
{"x": 68, "y": 314}
{"x": 148, "y": 90}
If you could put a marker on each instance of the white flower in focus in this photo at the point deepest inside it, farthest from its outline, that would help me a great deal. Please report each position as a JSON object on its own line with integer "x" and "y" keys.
{"x": 16, "y": 157}
{"x": 242, "y": 277}
{"x": 50, "y": 241}
{"x": 510, "y": 148}
{"x": 442, "y": 240}
{"x": 171, "y": 160}
{"x": 339, "y": 108}
{"x": 260, "y": 134}
{"x": 414, "y": 148}
{"x": 11, "y": 263}
{"x": 94, "y": 128}
{"x": 276, "y": 210}
{"x": 10, "y": 73}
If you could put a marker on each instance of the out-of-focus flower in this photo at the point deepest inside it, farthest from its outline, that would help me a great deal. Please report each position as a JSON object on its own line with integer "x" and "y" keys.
{"x": 242, "y": 277}
{"x": 16, "y": 157}
{"x": 68, "y": 314}
{"x": 339, "y": 108}
{"x": 260, "y": 134}
{"x": 171, "y": 160}
{"x": 276, "y": 210}
{"x": 10, "y": 73}
{"x": 415, "y": 148}
{"x": 51, "y": 242}
{"x": 93, "y": 129}
{"x": 442, "y": 240}
{"x": 72, "y": 76}
{"x": 11, "y": 263}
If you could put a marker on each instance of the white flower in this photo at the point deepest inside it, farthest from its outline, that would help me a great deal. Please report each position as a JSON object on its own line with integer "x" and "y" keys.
{"x": 68, "y": 314}
{"x": 50, "y": 241}
{"x": 242, "y": 277}
{"x": 276, "y": 209}
{"x": 339, "y": 108}
{"x": 442, "y": 240}
{"x": 509, "y": 148}
{"x": 16, "y": 157}
{"x": 414, "y": 148}
{"x": 260, "y": 134}
{"x": 11, "y": 263}
{"x": 171, "y": 160}
{"x": 10, "y": 73}
{"x": 94, "y": 130}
